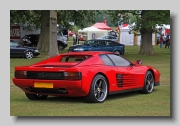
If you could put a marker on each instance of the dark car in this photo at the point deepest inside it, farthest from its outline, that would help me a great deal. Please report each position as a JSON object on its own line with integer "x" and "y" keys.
{"x": 109, "y": 37}
{"x": 31, "y": 40}
{"x": 99, "y": 45}
{"x": 17, "y": 50}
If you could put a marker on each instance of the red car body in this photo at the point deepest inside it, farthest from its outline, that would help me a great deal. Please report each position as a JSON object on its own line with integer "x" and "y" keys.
{"x": 93, "y": 75}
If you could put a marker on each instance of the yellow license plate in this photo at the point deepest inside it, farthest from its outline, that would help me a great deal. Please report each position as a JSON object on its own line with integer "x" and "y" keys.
{"x": 43, "y": 85}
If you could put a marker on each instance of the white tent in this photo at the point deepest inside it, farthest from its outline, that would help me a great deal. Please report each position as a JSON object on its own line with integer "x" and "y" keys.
{"x": 89, "y": 31}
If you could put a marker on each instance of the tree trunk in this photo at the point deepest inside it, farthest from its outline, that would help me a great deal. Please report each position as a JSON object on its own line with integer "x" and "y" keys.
{"x": 146, "y": 44}
{"x": 146, "y": 39}
{"x": 53, "y": 47}
{"x": 48, "y": 36}
{"x": 43, "y": 43}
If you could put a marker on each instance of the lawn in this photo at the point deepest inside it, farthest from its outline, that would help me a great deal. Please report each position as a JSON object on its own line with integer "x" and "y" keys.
{"x": 127, "y": 104}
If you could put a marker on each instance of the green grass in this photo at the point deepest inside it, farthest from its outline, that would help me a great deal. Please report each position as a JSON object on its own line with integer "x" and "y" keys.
{"x": 127, "y": 104}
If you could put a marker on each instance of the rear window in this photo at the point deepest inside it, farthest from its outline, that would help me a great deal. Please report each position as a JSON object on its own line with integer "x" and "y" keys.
{"x": 74, "y": 58}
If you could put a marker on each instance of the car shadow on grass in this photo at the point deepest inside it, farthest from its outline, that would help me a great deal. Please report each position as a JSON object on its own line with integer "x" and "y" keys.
{"x": 109, "y": 97}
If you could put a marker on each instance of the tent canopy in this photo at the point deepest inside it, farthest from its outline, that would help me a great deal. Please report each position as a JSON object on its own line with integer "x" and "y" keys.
{"x": 102, "y": 26}
{"x": 89, "y": 29}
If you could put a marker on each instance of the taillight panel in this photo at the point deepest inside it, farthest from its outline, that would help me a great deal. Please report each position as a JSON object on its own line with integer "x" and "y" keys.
{"x": 48, "y": 75}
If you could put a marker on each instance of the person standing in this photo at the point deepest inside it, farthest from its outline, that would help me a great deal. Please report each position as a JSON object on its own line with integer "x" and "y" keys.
{"x": 74, "y": 39}
{"x": 168, "y": 41}
{"x": 164, "y": 39}
{"x": 161, "y": 41}
{"x": 77, "y": 39}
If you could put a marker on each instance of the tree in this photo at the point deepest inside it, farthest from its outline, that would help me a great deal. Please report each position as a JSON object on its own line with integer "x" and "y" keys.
{"x": 44, "y": 20}
{"x": 146, "y": 22}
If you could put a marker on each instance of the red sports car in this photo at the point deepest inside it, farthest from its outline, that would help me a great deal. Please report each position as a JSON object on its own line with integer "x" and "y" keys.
{"x": 92, "y": 75}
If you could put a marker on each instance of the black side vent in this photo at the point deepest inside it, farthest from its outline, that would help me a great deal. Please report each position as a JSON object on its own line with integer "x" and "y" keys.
{"x": 119, "y": 79}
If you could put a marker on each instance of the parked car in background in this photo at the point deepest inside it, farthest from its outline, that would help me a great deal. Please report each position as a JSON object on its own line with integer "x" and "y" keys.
{"x": 109, "y": 37}
{"x": 31, "y": 40}
{"x": 17, "y": 50}
{"x": 91, "y": 75}
{"x": 62, "y": 41}
{"x": 99, "y": 45}
{"x": 113, "y": 33}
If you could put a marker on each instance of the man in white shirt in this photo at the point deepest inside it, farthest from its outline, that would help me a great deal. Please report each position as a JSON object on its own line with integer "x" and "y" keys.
{"x": 74, "y": 39}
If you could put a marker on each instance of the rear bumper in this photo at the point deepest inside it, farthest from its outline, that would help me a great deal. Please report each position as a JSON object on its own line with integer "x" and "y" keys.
{"x": 60, "y": 87}
{"x": 157, "y": 84}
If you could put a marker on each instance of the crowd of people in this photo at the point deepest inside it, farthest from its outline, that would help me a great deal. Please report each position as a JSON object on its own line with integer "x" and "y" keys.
{"x": 164, "y": 39}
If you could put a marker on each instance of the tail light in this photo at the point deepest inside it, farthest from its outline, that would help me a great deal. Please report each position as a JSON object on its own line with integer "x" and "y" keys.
{"x": 20, "y": 74}
{"x": 72, "y": 76}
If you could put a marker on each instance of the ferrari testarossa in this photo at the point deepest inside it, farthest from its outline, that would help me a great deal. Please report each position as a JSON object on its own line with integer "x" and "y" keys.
{"x": 92, "y": 75}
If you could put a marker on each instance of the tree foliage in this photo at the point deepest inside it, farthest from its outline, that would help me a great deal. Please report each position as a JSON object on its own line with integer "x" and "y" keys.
{"x": 146, "y": 21}
{"x": 29, "y": 17}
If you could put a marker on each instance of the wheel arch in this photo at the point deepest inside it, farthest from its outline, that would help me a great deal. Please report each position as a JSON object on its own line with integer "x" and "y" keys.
{"x": 152, "y": 72}
{"x": 28, "y": 50}
{"x": 117, "y": 50}
{"x": 101, "y": 73}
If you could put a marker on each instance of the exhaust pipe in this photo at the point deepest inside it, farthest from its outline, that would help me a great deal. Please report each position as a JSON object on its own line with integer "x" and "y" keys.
{"x": 62, "y": 91}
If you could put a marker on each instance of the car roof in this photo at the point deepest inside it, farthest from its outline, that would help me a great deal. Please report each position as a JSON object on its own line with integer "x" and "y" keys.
{"x": 100, "y": 40}
{"x": 88, "y": 53}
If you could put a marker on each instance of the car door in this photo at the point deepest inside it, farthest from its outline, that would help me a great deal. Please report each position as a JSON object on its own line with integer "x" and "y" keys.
{"x": 128, "y": 76}
{"x": 15, "y": 50}
{"x": 108, "y": 46}
{"x": 97, "y": 46}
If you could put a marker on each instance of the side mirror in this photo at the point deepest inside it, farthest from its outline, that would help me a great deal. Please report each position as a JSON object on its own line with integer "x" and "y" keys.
{"x": 139, "y": 61}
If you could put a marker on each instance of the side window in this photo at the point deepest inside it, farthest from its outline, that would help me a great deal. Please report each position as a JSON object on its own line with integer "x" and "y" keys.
{"x": 99, "y": 43}
{"x": 108, "y": 43}
{"x": 118, "y": 60}
{"x": 96, "y": 43}
{"x": 109, "y": 37}
{"x": 106, "y": 60}
{"x": 102, "y": 43}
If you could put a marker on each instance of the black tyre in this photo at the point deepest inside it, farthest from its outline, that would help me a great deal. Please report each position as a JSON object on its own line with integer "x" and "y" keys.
{"x": 117, "y": 52}
{"x": 35, "y": 96}
{"x": 148, "y": 83}
{"x": 29, "y": 55}
{"x": 98, "y": 90}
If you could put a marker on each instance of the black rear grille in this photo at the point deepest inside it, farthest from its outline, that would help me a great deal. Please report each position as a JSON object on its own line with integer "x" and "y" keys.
{"x": 119, "y": 79}
{"x": 45, "y": 75}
